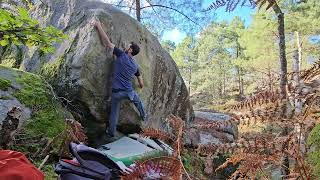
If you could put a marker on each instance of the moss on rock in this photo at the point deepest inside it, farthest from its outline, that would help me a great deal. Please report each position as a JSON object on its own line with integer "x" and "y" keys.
{"x": 314, "y": 154}
{"x": 48, "y": 115}
{"x": 47, "y": 119}
{"x": 9, "y": 62}
{"x": 4, "y": 84}
{"x": 34, "y": 91}
{"x": 50, "y": 70}
{"x": 6, "y": 97}
{"x": 12, "y": 57}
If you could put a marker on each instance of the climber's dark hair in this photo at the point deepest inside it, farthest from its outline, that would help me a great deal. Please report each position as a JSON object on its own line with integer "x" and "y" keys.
{"x": 135, "y": 48}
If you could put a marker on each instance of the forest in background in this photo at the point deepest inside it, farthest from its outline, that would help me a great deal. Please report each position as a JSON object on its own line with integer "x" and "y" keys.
{"x": 228, "y": 61}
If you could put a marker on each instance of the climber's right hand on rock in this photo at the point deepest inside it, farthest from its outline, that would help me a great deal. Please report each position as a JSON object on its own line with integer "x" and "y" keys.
{"x": 95, "y": 23}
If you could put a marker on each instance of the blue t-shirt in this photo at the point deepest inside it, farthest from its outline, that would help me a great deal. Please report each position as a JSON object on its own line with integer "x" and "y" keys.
{"x": 125, "y": 68}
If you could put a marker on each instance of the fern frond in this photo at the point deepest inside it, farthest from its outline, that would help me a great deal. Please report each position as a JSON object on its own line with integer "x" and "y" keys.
{"x": 156, "y": 133}
{"x": 312, "y": 72}
{"x": 159, "y": 167}
{"x": 269, "y": 3}
{"x": 75, "y": 131}
{"x": 292, "y": 176}
{"x": 256, "y": 144}
{"x": 214, "y": 149}
{"x": 176, "y": 122}
{"x": 238, "y": 175}
{"x": 234, "y": 160}
{"x": 215, "y": 5}
{"x": 177, "y": 146}
{"x": 206, "y": 124}
{"x": 250, "y": 163}
{"x": 175, "y": 140}
{"x": 268, "y": 114}
{"x": 260, "y": 98}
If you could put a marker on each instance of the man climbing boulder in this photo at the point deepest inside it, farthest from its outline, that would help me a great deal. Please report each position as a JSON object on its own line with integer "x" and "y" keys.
{"x": 125, "y": 68}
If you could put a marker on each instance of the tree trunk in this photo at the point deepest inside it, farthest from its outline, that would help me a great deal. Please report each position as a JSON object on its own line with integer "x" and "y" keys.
{"x": 213, "y": 90}
{"x": 138, "y": 10}
{"x": 296, "y": 69}
{"x": 220, "y": 89}
{"x": 283, "y": 78}
{"x": 270, "y": 79}
{"x": 224, "y": 84}
{"x": 242, "y": 87}
{"x": 299, "y": 49}
{"x": 240, "y": 80}
{"x": 1, "y": 50}
{"x": 297, "y": 58}
{"x": 282, "y": 51}
{"x": 240, "y": 83}
{"x": 190, "y": 76}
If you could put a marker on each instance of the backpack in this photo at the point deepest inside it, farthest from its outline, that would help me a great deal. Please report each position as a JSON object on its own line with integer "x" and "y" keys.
{"x": 88, "y": 164}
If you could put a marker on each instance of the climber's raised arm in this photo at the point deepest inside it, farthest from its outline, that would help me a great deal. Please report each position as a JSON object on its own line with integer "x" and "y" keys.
{"x": 103, "y": 36}
{"x": 139, "y": 78}
{"x": 140, "y": 81}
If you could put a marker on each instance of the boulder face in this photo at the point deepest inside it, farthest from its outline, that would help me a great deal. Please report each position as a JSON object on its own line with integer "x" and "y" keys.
{"x": 81, "y": 68}
{"x": 223, "y": 134}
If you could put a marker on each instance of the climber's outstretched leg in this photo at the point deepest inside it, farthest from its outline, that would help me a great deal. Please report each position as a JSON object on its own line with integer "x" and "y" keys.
{"x": 138, "y": 103}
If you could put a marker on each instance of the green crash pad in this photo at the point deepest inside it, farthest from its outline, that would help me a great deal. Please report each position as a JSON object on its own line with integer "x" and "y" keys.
{"x": 128, "y": 151}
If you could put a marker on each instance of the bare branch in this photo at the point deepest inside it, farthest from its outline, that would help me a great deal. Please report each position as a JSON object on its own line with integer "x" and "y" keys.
{"x": 119, "y": 3}
{"x": 167, "y": 7}
{"x": 131, "y": 7}
{"x": 156, "y": 13}
{"x": 43, "y": 162}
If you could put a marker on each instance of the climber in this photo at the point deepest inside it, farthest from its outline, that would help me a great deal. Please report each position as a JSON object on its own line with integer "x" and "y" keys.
{"x": 125, "y": 68}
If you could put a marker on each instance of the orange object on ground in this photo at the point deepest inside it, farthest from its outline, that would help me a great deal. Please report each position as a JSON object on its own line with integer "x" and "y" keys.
{"x": 15, "y": 166}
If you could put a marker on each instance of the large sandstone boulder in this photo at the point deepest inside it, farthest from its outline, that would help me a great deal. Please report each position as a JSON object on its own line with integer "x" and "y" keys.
{"x": 81, "y": 68}
{"x": 224, "y": 134}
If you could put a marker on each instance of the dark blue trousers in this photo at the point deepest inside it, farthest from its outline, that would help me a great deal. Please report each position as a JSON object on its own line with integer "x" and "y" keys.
{"x": 116, "y": 98}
